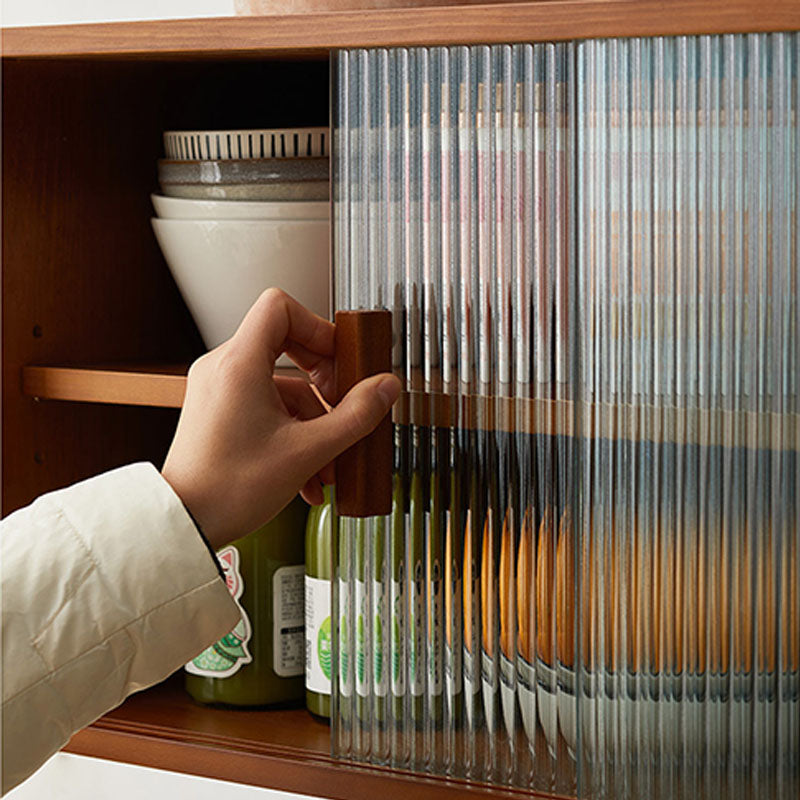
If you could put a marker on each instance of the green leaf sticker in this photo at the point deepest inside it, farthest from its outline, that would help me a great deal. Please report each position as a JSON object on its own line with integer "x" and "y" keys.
{"x": 230, "y": 646}
{"x": 412, "y": 655}
{"x": 345, "y": 661}
{"x": 360, "y": 649}
{"x": 324, "y": 652}
{"x": 227, "y": 656}
{"x": 212, "y": 661}
{"x": 396, "y": 649}
{"x": 378, "y": 659}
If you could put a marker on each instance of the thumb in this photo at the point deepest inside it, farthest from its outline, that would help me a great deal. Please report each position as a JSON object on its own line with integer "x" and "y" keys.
{"x": 357, "y": 414}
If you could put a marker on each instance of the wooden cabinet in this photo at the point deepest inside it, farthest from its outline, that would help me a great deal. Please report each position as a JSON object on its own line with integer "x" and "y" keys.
{"x": 96, "y": 340}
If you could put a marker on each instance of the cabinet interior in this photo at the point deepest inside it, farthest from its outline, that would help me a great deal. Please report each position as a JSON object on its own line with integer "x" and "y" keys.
{"x": 84, "y": 281}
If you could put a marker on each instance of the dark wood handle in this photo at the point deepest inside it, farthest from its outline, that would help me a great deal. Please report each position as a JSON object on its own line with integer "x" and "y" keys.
{"x": 364, "y": 472}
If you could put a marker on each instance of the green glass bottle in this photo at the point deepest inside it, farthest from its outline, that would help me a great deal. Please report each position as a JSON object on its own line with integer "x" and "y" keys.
{"x": 261, "y": 661}
{"x": 398, "y": 596}
{"x": 319, "y": 642}
{"x": 363, "y": 651}
{"x": 379, "y": 614}
{"x": 415, "y": 583}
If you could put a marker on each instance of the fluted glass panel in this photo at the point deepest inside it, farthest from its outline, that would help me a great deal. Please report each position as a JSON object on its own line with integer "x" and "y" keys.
{"x": 588, "y": 583}
{"x": 688, "y": 271}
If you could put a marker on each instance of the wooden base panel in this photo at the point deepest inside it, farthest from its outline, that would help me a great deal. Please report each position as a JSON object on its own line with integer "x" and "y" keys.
{"x": 283, "y": 749}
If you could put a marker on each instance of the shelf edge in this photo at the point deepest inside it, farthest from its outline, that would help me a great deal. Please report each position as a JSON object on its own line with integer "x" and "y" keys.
{"x": 276, "y": 768}
{"x": 165, "y": 386}
{"x": 314, "y": 34}
{"x": 100, "y": 385}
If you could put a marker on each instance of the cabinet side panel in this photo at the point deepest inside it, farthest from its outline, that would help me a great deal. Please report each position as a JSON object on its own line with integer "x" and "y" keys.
{"x": 83, "y": 280}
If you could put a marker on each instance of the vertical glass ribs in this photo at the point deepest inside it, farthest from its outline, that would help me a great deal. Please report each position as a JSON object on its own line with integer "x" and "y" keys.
{"x": 588, "y": 583}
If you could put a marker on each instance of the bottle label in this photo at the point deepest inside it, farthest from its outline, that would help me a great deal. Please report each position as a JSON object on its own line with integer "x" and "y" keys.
{"x": 416, "y": 668}
{"x": 345, "y": 670}
{"x": 288, "y": 631}
{"x": 362, "y": 639}
{"x": 379, "y": 631}
{"x": 435, "y": 631}
{"x": 319, "y": 643}
{"x": 227, "y": 656}
{"x": 398, "y": 641}
{"x": 453, "y": 653}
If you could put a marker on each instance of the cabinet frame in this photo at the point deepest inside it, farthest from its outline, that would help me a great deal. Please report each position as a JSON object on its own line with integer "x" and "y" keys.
{"x": 48, "y": 442}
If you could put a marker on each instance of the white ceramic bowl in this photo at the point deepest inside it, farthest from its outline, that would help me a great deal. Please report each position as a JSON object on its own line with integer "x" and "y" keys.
{"x": 183, "y": 208}
{"x": 221, "y": 267}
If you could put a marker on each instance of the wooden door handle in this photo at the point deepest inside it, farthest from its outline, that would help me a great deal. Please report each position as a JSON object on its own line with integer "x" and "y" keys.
{"x": 364, "y": 471}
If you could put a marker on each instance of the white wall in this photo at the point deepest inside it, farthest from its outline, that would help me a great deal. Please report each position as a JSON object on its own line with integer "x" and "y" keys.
{"x": 71, "y": 777}
{"x": 57, "y": 12}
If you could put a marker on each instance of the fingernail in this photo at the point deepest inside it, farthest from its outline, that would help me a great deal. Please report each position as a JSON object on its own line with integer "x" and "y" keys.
{"x": 389, "y": 389}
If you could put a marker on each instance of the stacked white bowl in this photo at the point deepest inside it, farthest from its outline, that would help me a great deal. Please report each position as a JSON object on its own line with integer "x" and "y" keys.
{"x": 223, "y": 252}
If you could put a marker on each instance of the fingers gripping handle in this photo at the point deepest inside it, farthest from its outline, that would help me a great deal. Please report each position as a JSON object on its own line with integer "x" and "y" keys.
{"x": 364, "y": 472}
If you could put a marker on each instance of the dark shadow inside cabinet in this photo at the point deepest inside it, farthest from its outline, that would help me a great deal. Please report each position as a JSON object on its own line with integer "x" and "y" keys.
{"x": 83, "y": 280}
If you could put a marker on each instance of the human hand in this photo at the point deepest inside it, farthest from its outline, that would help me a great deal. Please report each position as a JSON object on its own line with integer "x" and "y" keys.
{"x": 247, "y": 440}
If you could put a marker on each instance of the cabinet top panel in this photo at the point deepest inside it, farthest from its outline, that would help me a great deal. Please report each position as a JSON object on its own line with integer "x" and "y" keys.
{"x": 315, "y": 34}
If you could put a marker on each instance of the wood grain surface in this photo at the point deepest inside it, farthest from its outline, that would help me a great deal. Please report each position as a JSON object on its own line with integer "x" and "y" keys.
{"x": 160, "y": 385}
{"x": 137, "y": 386}
{"x": 283, "y": 749}
{"x": 364, "y": 471}
{"x": 82, "y": 275}
{"x": 315, "y": 34}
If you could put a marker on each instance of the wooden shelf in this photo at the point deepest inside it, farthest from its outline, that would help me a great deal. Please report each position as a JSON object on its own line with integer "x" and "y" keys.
{"x": 165, "y": 385}
{"x": 283, "y": 749}
{"x": 159, "y": 385}
{"x": 136, "y": 385}
{"x": 315, "y": 34}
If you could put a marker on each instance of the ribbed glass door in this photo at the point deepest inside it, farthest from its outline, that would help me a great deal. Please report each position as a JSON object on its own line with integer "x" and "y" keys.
{"x": 588, "y": 583}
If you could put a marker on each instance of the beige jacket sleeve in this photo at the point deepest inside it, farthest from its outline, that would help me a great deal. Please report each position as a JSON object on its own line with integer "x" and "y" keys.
{"x": 107, "y": 588}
